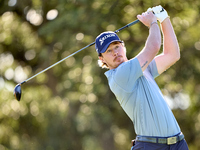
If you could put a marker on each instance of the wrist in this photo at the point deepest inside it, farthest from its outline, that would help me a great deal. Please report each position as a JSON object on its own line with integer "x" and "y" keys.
{"x": 167, "y": 18}
{"x": 154, "y": 22}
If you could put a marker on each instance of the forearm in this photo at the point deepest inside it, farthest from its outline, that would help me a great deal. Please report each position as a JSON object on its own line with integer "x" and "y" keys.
{"x": 170, "y": 42}
{"x": 153, "y": 42}
{"x": 151, "y": 48}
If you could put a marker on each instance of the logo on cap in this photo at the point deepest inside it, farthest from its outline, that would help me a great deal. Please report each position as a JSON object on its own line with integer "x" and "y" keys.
{"x": 101, "y": 40}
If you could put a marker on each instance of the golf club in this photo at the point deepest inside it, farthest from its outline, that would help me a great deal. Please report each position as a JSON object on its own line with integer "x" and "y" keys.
{"x": 17, "y": 90}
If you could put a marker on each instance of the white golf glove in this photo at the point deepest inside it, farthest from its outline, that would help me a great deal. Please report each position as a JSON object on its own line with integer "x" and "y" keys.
{"x": 160, "y": 13}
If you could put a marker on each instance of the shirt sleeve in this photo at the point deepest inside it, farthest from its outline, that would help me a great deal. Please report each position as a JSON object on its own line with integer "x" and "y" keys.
{"x": 152, "y": 68}
{"x": 127, "y": 74}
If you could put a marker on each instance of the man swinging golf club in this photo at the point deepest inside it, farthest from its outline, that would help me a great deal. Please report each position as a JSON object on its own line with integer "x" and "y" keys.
{"x": 132, "y": 82}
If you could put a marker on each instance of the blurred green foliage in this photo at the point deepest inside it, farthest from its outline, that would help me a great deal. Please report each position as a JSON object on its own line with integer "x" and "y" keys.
{"x": 71, "y": 106}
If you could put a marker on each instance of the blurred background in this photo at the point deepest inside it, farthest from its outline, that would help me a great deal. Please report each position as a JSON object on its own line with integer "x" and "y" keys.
{"x": 70, "y": 106}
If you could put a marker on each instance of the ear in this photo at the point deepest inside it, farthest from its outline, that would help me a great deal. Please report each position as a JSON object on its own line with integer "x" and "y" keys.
{"x": 102, "y": 59}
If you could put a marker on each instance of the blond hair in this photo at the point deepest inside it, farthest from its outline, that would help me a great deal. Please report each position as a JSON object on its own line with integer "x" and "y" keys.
{"x": 101, "y": 64}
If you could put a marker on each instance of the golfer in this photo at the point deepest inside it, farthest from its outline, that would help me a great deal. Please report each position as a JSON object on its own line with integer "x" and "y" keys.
{"x": 132, "y": 82}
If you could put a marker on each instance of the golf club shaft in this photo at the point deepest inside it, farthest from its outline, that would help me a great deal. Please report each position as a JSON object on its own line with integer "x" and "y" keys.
{"x": 128, "y": 25}
{"x": 57, "y": 63}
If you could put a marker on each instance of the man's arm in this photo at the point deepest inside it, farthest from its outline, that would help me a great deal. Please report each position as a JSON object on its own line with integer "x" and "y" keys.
{"x": 153, "y": 42}
{"x": 171, "y": 51}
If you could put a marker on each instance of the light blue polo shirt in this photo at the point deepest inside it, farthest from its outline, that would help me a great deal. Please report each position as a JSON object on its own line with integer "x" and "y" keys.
{"x": 141, "y": 99}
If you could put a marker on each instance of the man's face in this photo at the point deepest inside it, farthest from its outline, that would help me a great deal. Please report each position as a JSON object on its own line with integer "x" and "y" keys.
{"x": 114, "y": 55}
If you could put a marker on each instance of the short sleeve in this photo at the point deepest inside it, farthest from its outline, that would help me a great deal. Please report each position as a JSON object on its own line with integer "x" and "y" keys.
{"x": 152, "y": 68}
{"x": 126, "y": 74}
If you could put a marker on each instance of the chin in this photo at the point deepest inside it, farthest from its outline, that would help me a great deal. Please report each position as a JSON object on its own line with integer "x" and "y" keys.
{"x": 119, "y": 63}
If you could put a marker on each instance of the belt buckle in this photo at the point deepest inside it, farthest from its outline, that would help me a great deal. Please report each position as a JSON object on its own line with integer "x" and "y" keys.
{"x": 171, "y": 140}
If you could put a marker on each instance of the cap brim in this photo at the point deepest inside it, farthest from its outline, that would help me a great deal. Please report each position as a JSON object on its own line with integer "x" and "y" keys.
{"x": 107, "y": 45}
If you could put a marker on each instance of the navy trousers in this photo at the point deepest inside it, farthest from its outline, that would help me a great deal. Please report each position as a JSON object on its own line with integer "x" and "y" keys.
{"x": 181, "y": 145}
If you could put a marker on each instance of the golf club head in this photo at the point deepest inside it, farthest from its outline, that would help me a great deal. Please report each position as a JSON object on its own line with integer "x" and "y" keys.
{"x": 17, "y": 92}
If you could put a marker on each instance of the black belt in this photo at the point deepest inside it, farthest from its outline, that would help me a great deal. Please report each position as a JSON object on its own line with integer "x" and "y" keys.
{"x": 168, "y": 141}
